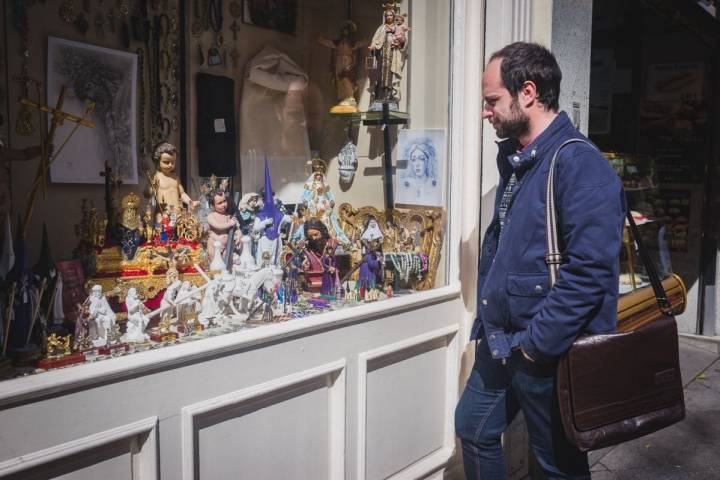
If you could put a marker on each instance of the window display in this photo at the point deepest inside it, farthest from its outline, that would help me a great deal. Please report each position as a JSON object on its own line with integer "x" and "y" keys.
{"x": 307, "y": 225}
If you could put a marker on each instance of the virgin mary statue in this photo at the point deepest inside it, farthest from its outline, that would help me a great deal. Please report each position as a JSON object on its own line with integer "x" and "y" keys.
{"x": 388, "y": 49}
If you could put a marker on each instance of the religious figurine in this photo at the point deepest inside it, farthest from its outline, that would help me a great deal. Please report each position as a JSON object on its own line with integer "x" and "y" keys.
{"x": 343, "y": 64}
{"x": 317, "y": 242}
{"x": 168, "y": 303}
{"x": 137, "y": 320}
{"x": 219, "y": 222}
{"x": 188, "y": 301}
{"x": 165, "y": 187}
{"x": 330, "y": 277}
{"x": 388, "y": 49}
{"x": 295, "y": 276}
{"x": 166, "y": 231}
{"x": 319, "y": 200}
{"x": 247, "y": 209}
{"x": 268, "y": 224}
{"x": 148, "y": 224}
{"x": 209, "y": 309}
{"x": 81, "y": 338}
{"x": 103, "y": 316}
{"x": 370, "y": 276}
{"x": 130, "y": 225}
{"x": 371, "y": 230}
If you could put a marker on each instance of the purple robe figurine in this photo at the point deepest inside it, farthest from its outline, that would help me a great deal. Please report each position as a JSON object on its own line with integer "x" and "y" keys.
{"x": 330, "y": 276}
{"x": 370, "y": 267}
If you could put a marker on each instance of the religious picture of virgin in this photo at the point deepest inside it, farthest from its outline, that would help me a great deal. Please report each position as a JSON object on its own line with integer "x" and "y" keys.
{"x": 108, "y": 78}
{"x": 420, "y": 167}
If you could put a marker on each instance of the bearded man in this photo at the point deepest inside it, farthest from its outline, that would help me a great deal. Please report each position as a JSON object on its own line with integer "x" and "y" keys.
{"x": 523, "y": 326}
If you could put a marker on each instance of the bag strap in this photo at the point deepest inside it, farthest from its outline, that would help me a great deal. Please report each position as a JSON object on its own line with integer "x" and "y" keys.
{"x": 554, "y": 257}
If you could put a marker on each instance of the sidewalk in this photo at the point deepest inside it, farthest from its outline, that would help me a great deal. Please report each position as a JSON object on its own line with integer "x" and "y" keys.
{"x": 687, "y": 450}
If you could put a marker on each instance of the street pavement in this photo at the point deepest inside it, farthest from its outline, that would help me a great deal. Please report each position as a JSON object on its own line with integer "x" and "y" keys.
{"x": 687, "y": 450}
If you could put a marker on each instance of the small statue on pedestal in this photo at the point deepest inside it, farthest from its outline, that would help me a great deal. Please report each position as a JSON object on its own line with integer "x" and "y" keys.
{"x": 344, "y": 64}
{"x": 103, "y": 316}
{"x": 389, "y": 50}
{"x": 137, "y": 321}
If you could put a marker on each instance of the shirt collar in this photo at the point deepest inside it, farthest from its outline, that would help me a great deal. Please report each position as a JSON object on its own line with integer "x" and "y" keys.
{"x": 521, "y": 160}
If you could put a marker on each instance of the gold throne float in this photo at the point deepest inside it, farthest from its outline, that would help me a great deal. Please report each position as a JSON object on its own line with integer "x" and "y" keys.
{"x": 404, "y": 231}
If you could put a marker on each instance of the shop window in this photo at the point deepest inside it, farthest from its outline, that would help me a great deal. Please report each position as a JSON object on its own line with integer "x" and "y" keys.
{"x": 302, "y": 167}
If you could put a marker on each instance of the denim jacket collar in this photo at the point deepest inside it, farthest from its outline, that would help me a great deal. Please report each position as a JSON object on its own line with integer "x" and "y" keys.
{"x": 511, "y": 160}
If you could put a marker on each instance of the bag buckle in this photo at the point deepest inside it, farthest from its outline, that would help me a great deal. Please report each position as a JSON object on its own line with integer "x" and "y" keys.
{"x": 553, "y": 258}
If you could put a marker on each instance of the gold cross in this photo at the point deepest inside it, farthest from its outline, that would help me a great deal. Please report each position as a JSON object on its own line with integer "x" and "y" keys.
{"x": 47, "y": 146}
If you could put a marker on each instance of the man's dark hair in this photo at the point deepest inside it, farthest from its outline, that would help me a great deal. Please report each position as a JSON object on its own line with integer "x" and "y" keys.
{"x": 522, "y": 62}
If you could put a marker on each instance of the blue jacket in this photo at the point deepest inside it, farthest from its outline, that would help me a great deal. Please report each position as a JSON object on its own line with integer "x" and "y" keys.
{"x": 516, "y": 307}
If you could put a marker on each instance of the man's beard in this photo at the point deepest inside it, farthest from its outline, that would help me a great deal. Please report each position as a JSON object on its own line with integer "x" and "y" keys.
{"x": 514, "y": 127}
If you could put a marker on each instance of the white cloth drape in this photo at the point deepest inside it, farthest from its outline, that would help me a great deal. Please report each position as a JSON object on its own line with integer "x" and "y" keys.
{"x": 273, "y": 124}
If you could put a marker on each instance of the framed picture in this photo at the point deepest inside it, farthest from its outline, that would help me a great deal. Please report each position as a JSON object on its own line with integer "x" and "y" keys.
{"x": 420, "y": 167}
{"x": 280, "y": 15}
{"x": 107, "y": 78}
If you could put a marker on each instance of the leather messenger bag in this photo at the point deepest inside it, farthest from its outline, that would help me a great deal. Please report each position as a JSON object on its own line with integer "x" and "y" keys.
{"x": 616, "y": 387}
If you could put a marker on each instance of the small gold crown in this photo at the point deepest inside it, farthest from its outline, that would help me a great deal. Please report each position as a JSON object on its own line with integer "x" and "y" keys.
{"x": 130, "y": 201}
{"x": 391, "y": 6}
{"x": 319, "y": 165}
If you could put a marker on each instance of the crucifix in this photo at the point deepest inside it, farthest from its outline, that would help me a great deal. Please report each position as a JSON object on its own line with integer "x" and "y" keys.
{"x": 48, "y": 153}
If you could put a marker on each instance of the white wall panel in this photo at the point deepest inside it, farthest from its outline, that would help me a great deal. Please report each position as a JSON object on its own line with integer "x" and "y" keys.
{"x": 128, "y": 451}
{"x": 402, "y": 414}
{"x": 243, "y": 434}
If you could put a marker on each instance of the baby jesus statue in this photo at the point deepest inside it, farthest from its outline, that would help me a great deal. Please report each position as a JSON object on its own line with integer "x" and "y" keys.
{"x": 164, "y": 184}
{"x": 219, "y": 222}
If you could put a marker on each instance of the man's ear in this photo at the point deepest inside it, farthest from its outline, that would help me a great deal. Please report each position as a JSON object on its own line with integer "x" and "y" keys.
{"x": 527, "y": 95}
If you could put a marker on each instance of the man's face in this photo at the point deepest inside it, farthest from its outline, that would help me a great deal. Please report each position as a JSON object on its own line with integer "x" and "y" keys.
{"x": 499, "y": 107}
{"x": 167, "y": 162}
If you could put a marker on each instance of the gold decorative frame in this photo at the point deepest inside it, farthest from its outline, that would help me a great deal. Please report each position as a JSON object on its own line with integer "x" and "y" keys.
{"x": 416, "y": 229}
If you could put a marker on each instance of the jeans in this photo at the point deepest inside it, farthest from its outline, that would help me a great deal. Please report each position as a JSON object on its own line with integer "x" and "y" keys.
{"x": 492, "y": 398}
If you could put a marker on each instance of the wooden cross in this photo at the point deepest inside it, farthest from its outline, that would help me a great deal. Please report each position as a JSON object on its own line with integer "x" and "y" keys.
{"x": 47, "y": 146}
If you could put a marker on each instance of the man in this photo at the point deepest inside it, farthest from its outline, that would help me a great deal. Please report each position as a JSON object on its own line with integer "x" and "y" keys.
{"x": 523, "y": 327}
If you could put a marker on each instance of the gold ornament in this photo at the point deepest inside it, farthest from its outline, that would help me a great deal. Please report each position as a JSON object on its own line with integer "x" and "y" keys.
{"x": 57, "y": 346}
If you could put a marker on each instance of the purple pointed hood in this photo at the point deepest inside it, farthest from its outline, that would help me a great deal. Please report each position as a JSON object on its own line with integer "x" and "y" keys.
{"x": 269, "y": 209}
